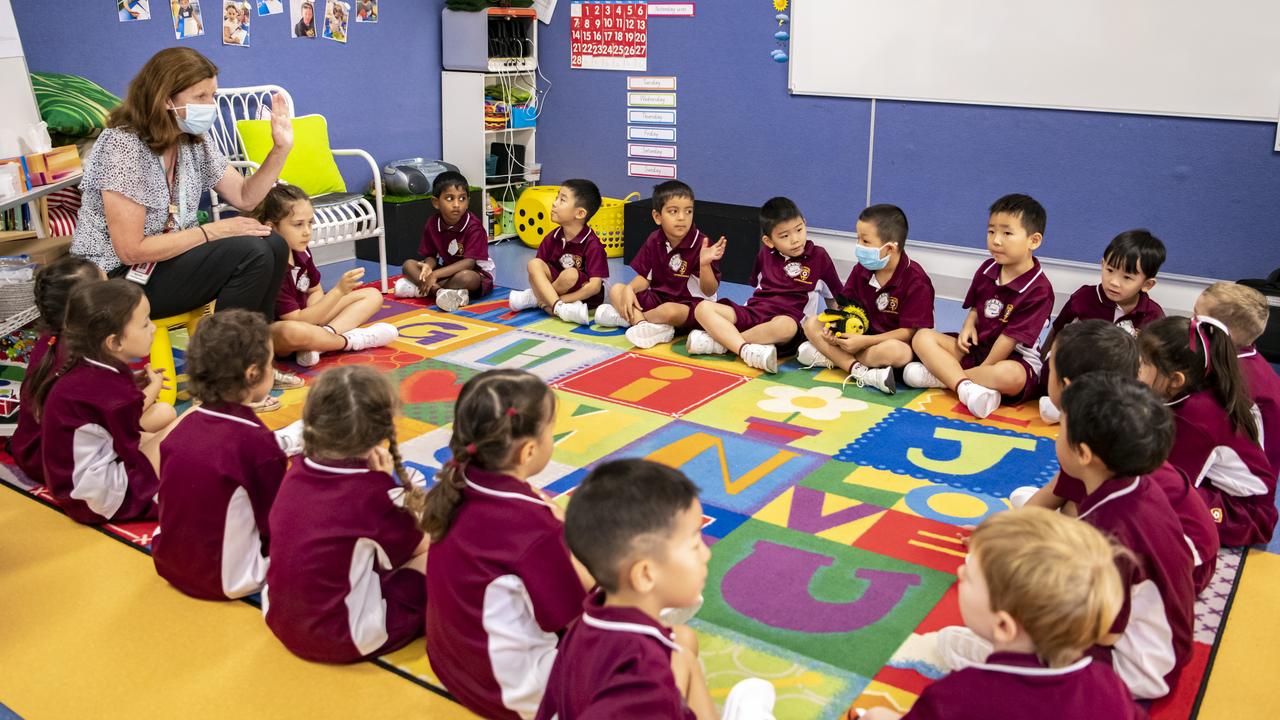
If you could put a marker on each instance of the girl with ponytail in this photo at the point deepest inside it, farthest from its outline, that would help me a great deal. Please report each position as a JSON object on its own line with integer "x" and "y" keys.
{"x": 1192, "y": 363}
{"x": 503, "y": 585}
{"x": 347, "y": 558}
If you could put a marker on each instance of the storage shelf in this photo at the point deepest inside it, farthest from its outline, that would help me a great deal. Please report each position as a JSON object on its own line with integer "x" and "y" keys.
{"x": 37, "y": 193}
{"x": 504, "y": 131}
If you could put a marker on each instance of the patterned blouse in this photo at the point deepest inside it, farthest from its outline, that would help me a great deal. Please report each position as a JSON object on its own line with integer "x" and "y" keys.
{"x": 122, "y": 162}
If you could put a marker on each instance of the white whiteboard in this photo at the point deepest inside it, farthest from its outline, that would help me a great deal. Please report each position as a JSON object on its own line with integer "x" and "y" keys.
{"x": 1203, "y": 58}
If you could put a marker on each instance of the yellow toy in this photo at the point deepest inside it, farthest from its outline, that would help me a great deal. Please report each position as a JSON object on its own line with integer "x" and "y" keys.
{"x": 847, "y": 319}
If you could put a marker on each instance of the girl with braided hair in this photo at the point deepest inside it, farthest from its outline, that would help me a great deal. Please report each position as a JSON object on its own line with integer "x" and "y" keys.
{"x": 347, "y": 558}
{"x": 503, "y": 585}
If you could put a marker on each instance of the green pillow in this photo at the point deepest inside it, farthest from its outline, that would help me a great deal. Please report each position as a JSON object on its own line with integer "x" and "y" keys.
{"x": 310, "y": 164}
{"x": 73, "y": 106}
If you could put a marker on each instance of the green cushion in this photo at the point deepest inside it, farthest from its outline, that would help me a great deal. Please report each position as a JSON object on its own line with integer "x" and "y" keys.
{"x": 73, "y": 106}
{"x": 310, "y": 164}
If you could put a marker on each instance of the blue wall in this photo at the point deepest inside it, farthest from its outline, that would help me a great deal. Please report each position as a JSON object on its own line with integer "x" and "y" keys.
{"x": 1210, "y": 189}
{"x": 380, "y": 91}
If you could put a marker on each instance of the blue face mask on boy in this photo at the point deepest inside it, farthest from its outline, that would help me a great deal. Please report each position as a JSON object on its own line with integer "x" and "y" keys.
{"x": 198, "y": 120}
{"x": 869, "y": 257}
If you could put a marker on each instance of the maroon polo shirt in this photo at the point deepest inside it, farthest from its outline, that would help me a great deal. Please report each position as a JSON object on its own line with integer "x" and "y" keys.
{"x": 906, "y": 301}
{"x": 1228, "y": 469}
{"x": 673, "y": 272}
{"x": 1157, "y": 620}
{"x": 787, "y": 285}
{"x": 298, "y": 282}
{"x": 1091, "y": 303}
{"x": 1019, "y": 685}
{"x": 1264, "y": 387}
{"x": 337, "y": 536}
{"x": 89, "y": 437}
{"x": 220, "y": 470}
{"x": 1019, "y": 309}
{"x": 615, "y": 662}
{"x": 25, "y": 443}
{"x": 466, "y": 239}
{"x": 502, "y": 587}
{"x": 585, "y": 253}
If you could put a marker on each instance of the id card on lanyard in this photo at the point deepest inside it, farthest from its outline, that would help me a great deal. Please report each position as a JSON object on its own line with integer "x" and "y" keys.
{"x": 141, "y": 273}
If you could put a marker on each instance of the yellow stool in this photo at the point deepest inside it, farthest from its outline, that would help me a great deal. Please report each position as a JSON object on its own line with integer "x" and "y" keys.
{"x": 162, "y": 346}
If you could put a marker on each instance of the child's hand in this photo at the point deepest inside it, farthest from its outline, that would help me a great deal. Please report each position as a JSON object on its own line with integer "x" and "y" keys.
{"x": 848, "y": 343}
{"x": 350, "y": 280}
{"x": 156, "y": 381}
{"x": 379, "y": 459}
{"x": 968, "y": 338}
{"x": 711, "y": 253}
{"x": 426, "y": 273}
{"x": 879, "y": 713}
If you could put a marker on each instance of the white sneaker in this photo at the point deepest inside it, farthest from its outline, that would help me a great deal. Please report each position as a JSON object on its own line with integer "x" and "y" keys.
{"x": 574, "y": 312}
{"x": 760, "y": 357}
{"x": 700, "y": 342}
{"x": 608, "y": 316}
{"x": 1049, "y": 412}
{"x": 307, "y": 358}
{"x": 451, "y": 300}
{"x": 750, "y": 699}
{"x": 878, "y": 378}
{"x": 376, "y": 335}
{"x": 981, "y": 401}
{"x": 1021, "y": 495}
{"x": 289, "y": 438}
{"x": 917, "y": 375}
{"x": 522, "y": 300}
{"x": 810, "y": 357}
{"x": 672, "y": 617}
{"x": 960, "y": 647}
{"x": 647, "y": 334}
{"x": 406, "y": 289}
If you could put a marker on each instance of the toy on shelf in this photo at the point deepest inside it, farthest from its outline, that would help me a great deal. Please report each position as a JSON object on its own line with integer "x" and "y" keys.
{"x": 533, "y": 218}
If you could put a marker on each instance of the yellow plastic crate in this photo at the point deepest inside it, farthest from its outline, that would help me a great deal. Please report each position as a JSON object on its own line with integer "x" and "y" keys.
{"x": 533, "y": 218}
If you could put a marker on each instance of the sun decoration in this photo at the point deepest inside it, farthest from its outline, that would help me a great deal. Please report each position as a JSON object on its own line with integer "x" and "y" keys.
{"x": 779, "y": 53}
{"x": 779, "y": 5}
{"x": 820, "y": 403}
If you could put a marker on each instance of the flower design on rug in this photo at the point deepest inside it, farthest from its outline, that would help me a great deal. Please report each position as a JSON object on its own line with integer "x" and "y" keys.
{"x": 820, "y": 403}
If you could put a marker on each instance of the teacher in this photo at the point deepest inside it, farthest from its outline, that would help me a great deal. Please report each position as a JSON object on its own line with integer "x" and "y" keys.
{"x": 142, "y": 187}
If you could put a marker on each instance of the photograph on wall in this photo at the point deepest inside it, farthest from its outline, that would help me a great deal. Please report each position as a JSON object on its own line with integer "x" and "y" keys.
{"x": 187, "y": 20}
{"x": 235, "y": 23}
{"x": 367, "y": 11}
{"x": 131, "y": 10}
{"x": 270, "y": 7}
{"x": 302, "y": 14}
{"x": 336, "y": 14}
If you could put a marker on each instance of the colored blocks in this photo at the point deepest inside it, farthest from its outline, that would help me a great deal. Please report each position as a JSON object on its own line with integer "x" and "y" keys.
{"x": 434, "y": 334}
{"x": 547, "y": 357}
{"x": 652, "y": 384}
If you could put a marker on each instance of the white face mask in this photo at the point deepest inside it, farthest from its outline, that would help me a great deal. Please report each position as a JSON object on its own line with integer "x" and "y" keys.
{"x": 198, "y": 120}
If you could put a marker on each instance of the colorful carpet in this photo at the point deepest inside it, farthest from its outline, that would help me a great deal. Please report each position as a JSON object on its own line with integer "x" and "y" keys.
{"x": 836, "y": 516}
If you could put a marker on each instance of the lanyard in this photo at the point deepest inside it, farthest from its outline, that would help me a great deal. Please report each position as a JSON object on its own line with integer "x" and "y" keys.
{"x": 175, "y": 190}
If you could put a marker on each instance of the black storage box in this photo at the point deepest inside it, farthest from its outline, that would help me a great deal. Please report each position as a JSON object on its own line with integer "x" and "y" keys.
{"x": 740, "y": 224}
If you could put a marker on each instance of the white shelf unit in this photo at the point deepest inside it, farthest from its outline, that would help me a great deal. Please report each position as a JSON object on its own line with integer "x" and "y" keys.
{"x": 466, "y": 142}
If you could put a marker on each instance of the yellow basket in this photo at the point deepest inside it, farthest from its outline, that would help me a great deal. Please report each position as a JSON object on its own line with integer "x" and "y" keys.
{"x": 533, "y": 218}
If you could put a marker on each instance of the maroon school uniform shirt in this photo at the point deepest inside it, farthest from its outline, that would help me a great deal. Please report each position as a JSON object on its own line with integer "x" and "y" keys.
{"x": 792, "y": 286}
{"x": 1090, "y": 303}
{"x": 502, "y": 588}
{"x": 585, "y": 253}
{"x": 1018, "y": 685}
{"x": 615, "y": 662}
{"x": 1228, "y": 469}
{"x": 25, "y": 443}
{"x": 89, "y": 437}
{"x": 448, "y": 244}
{"x": 220, "y": 470}
{"x": 337, "y": 536}
{"x": 1264, "y": 387}
{"x": 1019, "y": 309}
{"x": 298, "y": 281}
{"x": 906, "y": 301}
{"x": 1198, "y": 529}
{"x": 673, "y": 272}
{"x": 1156, "y": 621}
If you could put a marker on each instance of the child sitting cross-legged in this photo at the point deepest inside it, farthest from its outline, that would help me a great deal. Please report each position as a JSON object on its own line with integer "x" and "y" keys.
{"x": 455, "y": 267}
{"x": 567, "y": 274}
{"x": 637, "y": 527}
{"x": 1042, "y": 589}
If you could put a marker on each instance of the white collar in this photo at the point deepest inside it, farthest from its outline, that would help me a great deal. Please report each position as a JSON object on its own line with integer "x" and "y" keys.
{"x": 91, "y": 361}
{"x": 466, "y": 220}
{"x": 224, "y": 416}
{"x": 335, "y": 470}
{"x": 1119, "y": 493}
{"x": 504, "y": 494}
{"x": 1080, "y": 664}
{"x": 1251, "y": 353}
{"x": 637, "y": 628}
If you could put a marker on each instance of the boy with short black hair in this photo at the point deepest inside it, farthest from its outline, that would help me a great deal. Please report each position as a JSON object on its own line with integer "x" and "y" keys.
{"x": 1115, "y": 432}
{"x": 789, "y": 273}
{"x": 637, "y": 527}
{"x": 1129, "y": 267}
{"x": 895, "y": 293}
{"x": 567, "y": 274}
{"x": 676, "y": 268}
{"x": 1009, "y": 302}
{"x": 455, "y": 265}
{"x": 1041, "y": 589}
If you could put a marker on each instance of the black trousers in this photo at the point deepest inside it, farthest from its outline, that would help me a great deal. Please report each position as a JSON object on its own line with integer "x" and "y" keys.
{"x": 239, "y": 272}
